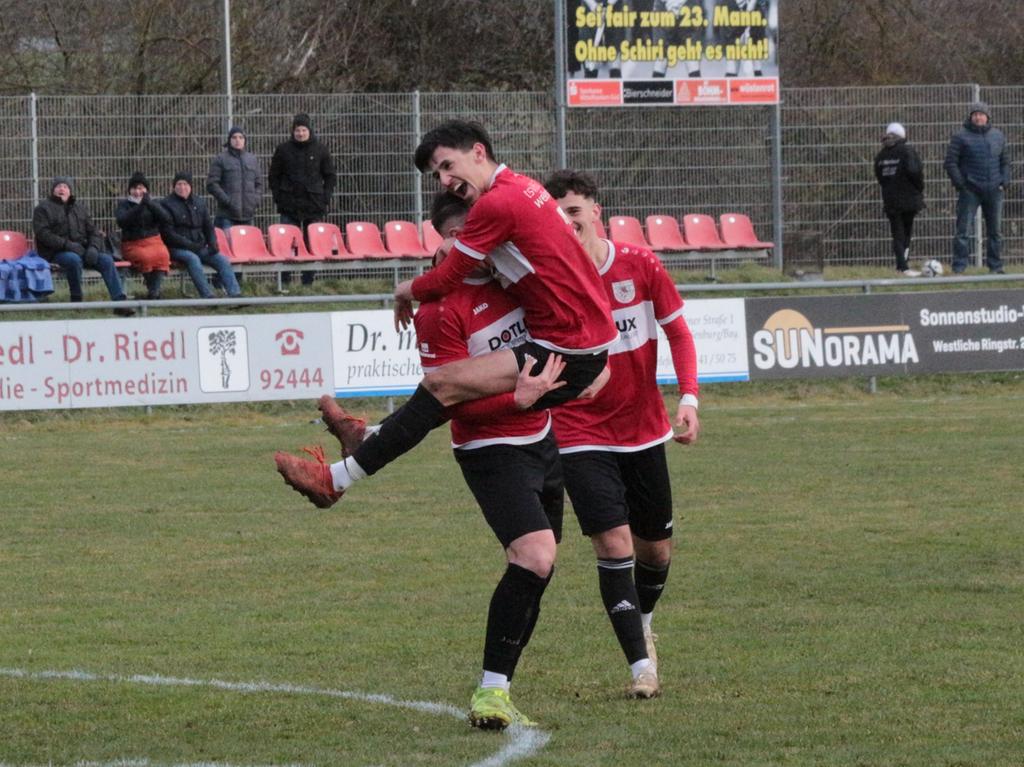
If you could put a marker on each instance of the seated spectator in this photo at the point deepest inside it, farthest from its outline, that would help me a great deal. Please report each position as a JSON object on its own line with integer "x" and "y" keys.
{"x": 140, "y": 218}
{"x": 235, "y": 181}
{"x": 65, "y": 235}
{"x": 189, "y": 236}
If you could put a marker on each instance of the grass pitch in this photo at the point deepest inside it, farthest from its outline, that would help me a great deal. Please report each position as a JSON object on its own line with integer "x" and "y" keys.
{"x": 847, "y": 590}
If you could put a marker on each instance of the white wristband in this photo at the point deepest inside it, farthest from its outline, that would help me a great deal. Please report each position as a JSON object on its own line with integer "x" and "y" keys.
{"x": 688, "y": 399}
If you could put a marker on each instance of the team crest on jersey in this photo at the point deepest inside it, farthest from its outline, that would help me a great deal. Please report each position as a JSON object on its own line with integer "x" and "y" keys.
{"x": 624, "y": 291}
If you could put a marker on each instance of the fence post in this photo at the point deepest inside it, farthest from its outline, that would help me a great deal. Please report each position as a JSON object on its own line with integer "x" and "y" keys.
{"x": 417, "y": 133}
{"x": 34, "y": 114}
{"x": 228, "y": 91}
{"x": 978, "y": 256}
{"x": 561, "y": 156}
{"x": 777, "y": 182}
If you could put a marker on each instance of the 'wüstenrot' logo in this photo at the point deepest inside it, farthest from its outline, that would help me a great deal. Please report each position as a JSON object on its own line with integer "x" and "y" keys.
{"x": 789, "y": 340}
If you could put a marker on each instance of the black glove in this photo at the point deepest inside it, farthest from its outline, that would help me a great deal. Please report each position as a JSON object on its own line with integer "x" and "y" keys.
{"x": 91, "y": 257}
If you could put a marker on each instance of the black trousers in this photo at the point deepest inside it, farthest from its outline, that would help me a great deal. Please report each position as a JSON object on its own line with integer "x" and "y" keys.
{"x": 902, "y": 225}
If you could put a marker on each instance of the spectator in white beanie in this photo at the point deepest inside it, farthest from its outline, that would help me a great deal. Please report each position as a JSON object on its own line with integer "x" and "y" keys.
{"x": 901, "y": 175}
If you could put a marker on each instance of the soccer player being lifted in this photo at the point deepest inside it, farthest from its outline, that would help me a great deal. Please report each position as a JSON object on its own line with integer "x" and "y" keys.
{"x": 544, "y": 268}
{"x": 613, "y": 446}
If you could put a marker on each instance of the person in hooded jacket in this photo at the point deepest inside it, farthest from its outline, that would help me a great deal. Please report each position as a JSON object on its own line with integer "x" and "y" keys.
{"x": 302, "y": 176}
{"x": 901, "y": 175}
{"x": 190, "y": 237}
{"x": 235, "y": 181}
{"x": 140, "y": 218}
{"x": 302, "y": 180}
{"x": 66, "y": 235}
{"x": 978, "y": 164}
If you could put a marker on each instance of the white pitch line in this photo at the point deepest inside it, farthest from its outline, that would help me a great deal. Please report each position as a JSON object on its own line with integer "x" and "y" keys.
{"x": 522, "y": 742}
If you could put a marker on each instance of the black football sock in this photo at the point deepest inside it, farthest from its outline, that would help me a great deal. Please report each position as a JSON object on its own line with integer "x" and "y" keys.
{"x": 511, "y": 618}
{"x": 618, "y": 592}
{"x": 533, "y": 620}
{"x": 650, "y": 581}
{"x": 400, "y": 432}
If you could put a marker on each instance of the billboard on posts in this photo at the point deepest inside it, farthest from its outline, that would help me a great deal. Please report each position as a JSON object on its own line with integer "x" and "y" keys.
{"x": 671, "y": 52}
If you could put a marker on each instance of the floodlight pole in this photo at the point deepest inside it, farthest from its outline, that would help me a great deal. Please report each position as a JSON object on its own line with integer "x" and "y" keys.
{"x": 561, "y": 157}
{"x": 226, "y": 59}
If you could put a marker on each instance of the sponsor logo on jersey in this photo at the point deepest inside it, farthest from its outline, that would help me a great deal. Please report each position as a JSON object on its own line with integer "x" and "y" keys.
{"x": 789, "y": 340}
{"x": 624, "y": 291}
{"x": 513, "y": 332}
{"x": 480, "y": 308}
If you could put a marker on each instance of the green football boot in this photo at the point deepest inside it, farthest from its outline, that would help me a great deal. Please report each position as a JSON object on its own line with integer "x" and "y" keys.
{"x": 491, "y": 709}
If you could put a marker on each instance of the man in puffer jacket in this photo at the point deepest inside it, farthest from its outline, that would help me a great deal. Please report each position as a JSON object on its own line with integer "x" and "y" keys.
{"x": 978, "y": 164}
{"x": 65, "y": 235}
{"x": 188, "y": 234}
{"x": 302, "y": 176}
{"x": 235, "y": 181}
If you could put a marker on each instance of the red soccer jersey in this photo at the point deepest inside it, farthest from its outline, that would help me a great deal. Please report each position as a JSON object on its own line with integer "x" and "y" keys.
{"x": 541, "y": 262}
{"x": 477, "y": 318}
{"x": 628, "y": 414}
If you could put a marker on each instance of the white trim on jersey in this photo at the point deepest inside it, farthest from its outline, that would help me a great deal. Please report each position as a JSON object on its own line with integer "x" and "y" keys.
{"x": 617, "y": 448}
{"x": 608, "y": 261}
{"x": 677, "y": 313}
{"x": 527, "y": 439}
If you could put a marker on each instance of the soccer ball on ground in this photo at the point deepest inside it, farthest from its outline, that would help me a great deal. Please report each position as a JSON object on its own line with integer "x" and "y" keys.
{"x": 932, "y": 268}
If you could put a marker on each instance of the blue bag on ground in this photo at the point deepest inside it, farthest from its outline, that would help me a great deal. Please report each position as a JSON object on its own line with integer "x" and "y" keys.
{"x": 37, "y": 275}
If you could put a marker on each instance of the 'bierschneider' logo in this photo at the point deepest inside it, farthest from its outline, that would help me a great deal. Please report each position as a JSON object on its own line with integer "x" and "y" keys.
{"x": 789, "y": 340}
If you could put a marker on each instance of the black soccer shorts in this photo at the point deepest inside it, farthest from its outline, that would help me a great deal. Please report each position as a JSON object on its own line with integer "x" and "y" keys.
{"x": 580, "y": 371}
{"x": 609, "y": 489}
{"x": 519, "y": 487}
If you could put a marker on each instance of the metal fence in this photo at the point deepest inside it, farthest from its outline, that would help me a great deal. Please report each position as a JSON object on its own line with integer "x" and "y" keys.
{"x": 648, "y": 160}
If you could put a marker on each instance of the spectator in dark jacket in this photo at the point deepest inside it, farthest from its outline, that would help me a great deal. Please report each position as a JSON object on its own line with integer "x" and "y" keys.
{"x": 302, "y": 180}
{"x": 140, "y": 218}
{"x": 901, "y": 175}
{"x": 65, "y": 235}
{"x": 190, "y": 237}
{"x": 978, "y": 164}
{"x": 236, "y": 182}
{"x": 302, "y": 176}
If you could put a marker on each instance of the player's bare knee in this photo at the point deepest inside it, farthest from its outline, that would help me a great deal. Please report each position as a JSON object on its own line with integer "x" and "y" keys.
{"x": 613, "y": 544}
{"x": 654, "y": 553}
{"x": 439, "y": 383}
{"x": 534, "y": 552}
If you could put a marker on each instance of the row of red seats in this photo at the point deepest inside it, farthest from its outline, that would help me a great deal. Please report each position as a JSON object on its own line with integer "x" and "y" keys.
{"x": 401, "y": 239}
{"x": 284, "y": 242}
{"x": 698, "y": 232}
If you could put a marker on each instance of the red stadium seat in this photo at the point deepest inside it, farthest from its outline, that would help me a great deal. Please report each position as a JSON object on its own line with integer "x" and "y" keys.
{"x": 223, "y": 243}
{"x": 248, "y": 246}
{"x": 627, "y": 229}
{"x": 326, "y": 243}
{"x": 738, "y": 232}
{"x": 364, "y": 240}
{"x": 12, "y": 245}
{"x": 663, "y": 233}
{"x": 431, "y": 239}
{"x": 402, "y": 239}
{"x": 287, "y": 243}
{"x": 701, "y": 233}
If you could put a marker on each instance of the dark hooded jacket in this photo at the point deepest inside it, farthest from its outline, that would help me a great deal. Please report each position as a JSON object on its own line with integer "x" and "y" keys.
{"x": 139, "y": 220}
{"x": 65, "y": 227}
{"x": 302, "y": 178}
{"x": 235, "y": 181}
{"x": 901, "y": 175}
{"x": 189, "y": 226}
{"x": 978, "y": 158}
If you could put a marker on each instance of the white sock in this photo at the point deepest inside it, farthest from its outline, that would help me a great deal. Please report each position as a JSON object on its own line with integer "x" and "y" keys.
{"x": 346, "y": 473}
{"x": 646, "y": 619}
{"x": 491, "y": 679}
{"x": 640, "y": 666}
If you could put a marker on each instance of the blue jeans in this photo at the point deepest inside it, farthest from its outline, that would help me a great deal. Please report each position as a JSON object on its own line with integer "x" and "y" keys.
{"x": 72, "y": 265}
{"x": 194, "y": 264}
{"x": 967, "y": 204}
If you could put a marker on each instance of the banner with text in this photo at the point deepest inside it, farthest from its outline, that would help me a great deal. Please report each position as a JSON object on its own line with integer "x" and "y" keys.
{"x": 887, "y": 334}
{"x": 672, "y": 52}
